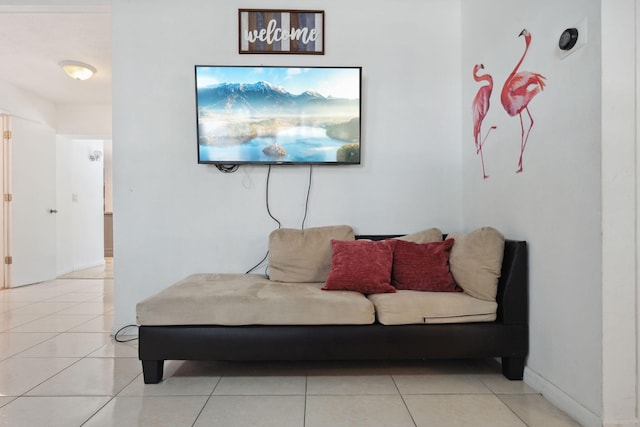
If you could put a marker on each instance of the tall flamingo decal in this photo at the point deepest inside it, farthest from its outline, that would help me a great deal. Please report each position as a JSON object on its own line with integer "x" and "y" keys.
{"x": 480, "y": 107}
{"x": 518, "y": 90}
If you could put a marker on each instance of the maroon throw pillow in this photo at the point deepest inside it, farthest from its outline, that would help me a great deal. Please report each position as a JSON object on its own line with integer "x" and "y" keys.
{"x": 361, "y": 265}
{"x": 423, "y": 267}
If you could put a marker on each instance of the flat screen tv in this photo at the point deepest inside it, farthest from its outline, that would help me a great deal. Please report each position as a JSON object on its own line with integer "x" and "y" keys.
{"x": 278, "y": 115}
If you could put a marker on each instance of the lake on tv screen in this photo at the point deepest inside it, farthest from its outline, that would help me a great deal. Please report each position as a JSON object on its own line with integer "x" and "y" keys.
{"x": 297, "y": 144}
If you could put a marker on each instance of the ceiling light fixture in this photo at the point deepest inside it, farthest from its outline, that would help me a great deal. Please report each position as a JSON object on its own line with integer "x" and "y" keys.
{"x": 78, "y": 70}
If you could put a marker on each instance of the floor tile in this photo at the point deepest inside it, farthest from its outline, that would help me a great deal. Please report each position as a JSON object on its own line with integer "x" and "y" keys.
{"x": 10, "y": 320}
{"x": 172, "y": 386}
{"x": 357, "y": 411}
{"x": 116, "y": 349}
{"x": 246, "y": 386}
{"x": 34, "y": 293}
{"x": 85, "y": 308}
{"x": 348, "y": 367}
{"x": 333, "y": 385}
{"x": 50, "y": 411}
{"x": 103, "y": 323}
{"x": 17, "y": 376}
{"x": 90, "y": 377}
{"x": 6, "y": 399}
{"x": 43, "y": 308}
{"x": 537, "y": 412}
{"x": 14, "y": 343}
{"x": 265, "y": 368}
{"x": 439, "y": 384}
{"x": 54, "y": 323}
{"x": 193, "y": 368}
{"x": 7, "y": 305}
{"x": 76, "y": 297}
{"x": 254, "y": 411}
{"x": 68, "y": 345}
{"x": 480, "y": 410}
{"x": 430, "y": 367}
{"x": 155, "y": 411}
{"x": 501, "y": 385}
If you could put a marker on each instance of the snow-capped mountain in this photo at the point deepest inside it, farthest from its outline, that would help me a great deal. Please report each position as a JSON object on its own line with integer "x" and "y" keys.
{"x": 264, "y": 98}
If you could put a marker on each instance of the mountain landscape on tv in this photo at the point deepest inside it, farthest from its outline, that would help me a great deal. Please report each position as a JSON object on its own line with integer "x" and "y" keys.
{"x": 263, "y": 98}
{"x": 266, "y": 123}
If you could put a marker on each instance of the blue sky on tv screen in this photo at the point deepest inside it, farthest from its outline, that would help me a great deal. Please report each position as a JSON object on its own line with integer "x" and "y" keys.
{"x": 335, "y": 82}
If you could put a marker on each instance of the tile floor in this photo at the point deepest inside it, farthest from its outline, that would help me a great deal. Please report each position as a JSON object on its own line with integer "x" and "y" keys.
{"x": 59, "y": 366}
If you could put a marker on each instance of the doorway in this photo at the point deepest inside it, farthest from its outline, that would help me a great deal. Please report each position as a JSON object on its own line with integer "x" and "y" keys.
{"x": 80, "y": 193}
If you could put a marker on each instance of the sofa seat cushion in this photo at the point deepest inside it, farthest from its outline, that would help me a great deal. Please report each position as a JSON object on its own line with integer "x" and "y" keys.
{"x": 251, "y": 299}
{"x": 413, "y": 307}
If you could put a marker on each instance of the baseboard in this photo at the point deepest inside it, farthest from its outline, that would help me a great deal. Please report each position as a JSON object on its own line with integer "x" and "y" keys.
{"x": 563, "y": 401}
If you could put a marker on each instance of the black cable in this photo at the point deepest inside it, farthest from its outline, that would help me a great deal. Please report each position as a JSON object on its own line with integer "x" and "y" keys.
{"x": 121, "y": 330}
{"x": 267, "y": 199}
{"x": 272, "y": 217}
{"x": 227, "y": 168}
{"x": 306, "y": 203}
{"x": 258, "y": 264}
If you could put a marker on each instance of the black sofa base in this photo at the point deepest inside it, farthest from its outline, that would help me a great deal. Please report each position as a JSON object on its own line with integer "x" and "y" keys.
{"x": 507, "y": 337}
{"x": 343, "y": 342}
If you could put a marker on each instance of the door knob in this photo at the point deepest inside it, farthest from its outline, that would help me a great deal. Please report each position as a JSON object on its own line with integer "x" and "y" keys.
{"x": 53, "y": 211}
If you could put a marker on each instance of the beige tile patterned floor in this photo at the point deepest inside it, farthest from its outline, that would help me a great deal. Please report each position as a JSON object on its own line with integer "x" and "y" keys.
{"x": 59, "y": 366}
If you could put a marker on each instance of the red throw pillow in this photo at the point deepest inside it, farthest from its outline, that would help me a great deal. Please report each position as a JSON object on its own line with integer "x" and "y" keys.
{"x": 423, "y": 267}
{"x": 361, "y": 265}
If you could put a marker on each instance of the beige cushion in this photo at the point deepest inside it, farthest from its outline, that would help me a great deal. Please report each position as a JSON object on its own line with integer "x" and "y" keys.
{"x": 414, "y": 307}
{"x": 250, "y": 299}
{"x": 476, "y": 261}
{"x": 424, "y": 236}
{"x": 303, "y": 255}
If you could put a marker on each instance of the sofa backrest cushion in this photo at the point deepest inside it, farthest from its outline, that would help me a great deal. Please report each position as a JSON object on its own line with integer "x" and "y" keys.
{"x": 476, "y": 261}
{"x": 424, "y": 236}
{"x": 303, "y": 256}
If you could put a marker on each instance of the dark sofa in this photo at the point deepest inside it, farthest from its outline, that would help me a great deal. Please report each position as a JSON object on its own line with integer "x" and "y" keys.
{"x": 507, "y": 337}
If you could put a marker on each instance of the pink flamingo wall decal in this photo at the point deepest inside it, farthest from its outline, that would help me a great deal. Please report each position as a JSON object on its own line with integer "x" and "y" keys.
{"x": 480, "y": 107}
{"x": 518, "y": 90}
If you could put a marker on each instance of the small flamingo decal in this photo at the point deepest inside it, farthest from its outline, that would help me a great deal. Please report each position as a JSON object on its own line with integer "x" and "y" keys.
{"x": 480, "y": 107}
{"x": 518, "y": 90}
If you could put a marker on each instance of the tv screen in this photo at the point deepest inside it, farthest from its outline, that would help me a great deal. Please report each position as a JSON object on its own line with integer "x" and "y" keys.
{"x": 278, "y": 115}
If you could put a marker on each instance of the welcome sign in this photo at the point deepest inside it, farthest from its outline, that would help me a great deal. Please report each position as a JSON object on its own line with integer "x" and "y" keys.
{"x": 281, "y": 31}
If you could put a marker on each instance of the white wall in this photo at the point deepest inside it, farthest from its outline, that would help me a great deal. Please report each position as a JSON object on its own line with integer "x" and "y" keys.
{"x": 555, "y": 203}
{"x": 620, "y": 220}
{"x": 174, "y": 217}
{"x": 17, "y": 102}
{"x": 92, "y": 120}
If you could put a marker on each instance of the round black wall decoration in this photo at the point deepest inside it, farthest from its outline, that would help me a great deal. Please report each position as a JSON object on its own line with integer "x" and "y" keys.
{"x": 568, "y": 39}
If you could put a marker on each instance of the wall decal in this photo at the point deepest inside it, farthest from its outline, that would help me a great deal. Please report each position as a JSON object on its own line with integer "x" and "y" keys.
{"x": 281, "y": 31}
{"x": 480, "y": 107}
{"x": 518, "y": 90}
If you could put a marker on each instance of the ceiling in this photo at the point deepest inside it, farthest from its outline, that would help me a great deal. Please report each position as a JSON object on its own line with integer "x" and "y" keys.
{"x": 34, "y": 41}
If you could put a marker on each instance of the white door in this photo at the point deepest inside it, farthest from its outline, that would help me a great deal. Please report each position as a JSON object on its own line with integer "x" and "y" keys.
{"x": 34, "y": 202}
